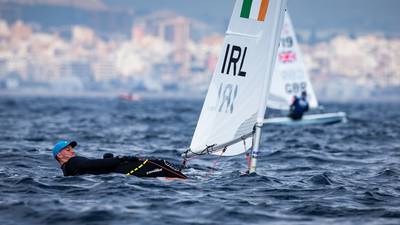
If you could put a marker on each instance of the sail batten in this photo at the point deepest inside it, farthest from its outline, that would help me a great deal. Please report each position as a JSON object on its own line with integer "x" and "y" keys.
{"x": 243, "y": 34}
{"x": 236, "y": 97}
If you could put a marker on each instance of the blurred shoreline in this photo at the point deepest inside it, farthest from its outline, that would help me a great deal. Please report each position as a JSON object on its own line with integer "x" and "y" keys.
{"x": 91, "y": 94}
{"x": 170, "y": 95}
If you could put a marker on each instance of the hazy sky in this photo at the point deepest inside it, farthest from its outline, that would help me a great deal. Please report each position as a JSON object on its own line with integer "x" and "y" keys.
{"x": 370, "y": 15}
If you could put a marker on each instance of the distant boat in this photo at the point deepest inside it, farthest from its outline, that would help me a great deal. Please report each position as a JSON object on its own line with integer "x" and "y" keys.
{"x": 233, "y": 111}
{"x": 290, "y": 79}
{"x": 130, "y": 97}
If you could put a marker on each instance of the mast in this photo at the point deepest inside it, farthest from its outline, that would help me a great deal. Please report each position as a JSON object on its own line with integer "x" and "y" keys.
{"x": 256, "y": 147}
{"x": 275, "y": 33}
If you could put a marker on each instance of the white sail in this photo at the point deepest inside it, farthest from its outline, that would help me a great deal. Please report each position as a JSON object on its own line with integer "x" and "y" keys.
{"x": 290, "y": 76}
{"x": 237, "y": 94}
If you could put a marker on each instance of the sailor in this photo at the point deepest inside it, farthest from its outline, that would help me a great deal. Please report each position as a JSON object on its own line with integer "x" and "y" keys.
{"x": 73, "y": 165}
{"x": 299, "y": 106}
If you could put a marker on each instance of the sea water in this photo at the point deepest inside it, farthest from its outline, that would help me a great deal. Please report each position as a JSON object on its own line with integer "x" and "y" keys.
{"x": 338, "y": 174}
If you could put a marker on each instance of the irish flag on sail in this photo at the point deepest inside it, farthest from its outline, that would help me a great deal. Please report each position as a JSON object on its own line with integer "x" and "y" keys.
{"x": 254, "y": 9}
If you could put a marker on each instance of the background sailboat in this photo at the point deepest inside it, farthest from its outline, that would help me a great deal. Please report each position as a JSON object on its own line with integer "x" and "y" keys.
{"x": 290, "y": 78}
{"x": 233, "y": 112}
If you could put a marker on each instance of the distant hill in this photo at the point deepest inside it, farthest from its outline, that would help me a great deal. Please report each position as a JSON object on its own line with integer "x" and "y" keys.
{"x": 117, "y": 16}
{"x": 60, "y": 15}
{"x": 87, "y": 4}
{"x": 345, "y": 15}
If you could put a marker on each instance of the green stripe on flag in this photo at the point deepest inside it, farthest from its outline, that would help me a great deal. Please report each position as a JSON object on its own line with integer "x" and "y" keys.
{"x": 245, "y": 13}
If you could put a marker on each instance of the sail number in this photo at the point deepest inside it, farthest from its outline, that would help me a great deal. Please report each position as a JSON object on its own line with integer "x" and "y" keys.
{"x": 233, "y": 59}
{"x": 287, "y": 42}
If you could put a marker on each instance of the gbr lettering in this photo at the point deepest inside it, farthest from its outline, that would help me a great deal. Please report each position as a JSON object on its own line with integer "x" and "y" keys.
{"x": 295, "y": 87}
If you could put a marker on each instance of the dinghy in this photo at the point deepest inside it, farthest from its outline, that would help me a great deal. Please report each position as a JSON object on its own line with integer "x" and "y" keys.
{"x": 233, "y": 111}
{"x": 290, "y": 78}
{"x": 326, "y": 118}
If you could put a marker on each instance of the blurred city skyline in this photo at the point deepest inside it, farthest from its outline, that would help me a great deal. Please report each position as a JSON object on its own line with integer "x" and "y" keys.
{"x": 351, "y": 48}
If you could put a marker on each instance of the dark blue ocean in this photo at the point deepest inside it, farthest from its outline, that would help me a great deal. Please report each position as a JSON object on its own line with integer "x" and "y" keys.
{"x": 338, "y": 174}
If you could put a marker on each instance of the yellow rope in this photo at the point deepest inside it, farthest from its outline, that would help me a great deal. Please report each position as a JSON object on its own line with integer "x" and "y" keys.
{"x": 137, "y": 168}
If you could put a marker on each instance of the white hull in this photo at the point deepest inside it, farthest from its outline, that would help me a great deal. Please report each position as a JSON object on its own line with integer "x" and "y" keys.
{"x": 326, "y": 118}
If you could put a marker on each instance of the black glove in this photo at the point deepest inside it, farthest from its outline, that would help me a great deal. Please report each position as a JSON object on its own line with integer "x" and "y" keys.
{"x": 127, "y": 158}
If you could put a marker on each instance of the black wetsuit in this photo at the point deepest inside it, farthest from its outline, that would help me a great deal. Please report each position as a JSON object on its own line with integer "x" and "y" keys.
{"x": 79, "y": 165}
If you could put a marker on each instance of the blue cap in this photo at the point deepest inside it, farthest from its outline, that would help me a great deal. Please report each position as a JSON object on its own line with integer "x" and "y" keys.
{"x": 61, "y": 145}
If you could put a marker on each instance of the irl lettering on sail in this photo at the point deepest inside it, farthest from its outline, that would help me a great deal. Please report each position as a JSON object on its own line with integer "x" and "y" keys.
{"x": 236, "y": 58}
{"x": 227, "y": 94}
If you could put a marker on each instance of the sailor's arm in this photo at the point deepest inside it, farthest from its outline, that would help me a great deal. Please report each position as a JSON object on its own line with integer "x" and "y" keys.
{"x": 98, "y": 164}
{"x": 107, "y": 163}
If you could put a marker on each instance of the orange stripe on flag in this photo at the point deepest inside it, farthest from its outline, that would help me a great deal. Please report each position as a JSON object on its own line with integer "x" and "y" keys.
{"x": 263, "y": 10}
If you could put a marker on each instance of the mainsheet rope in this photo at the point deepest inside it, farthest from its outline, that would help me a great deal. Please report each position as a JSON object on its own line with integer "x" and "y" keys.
{"x": 247, "y": 154}
{"x": 137, "y": 168}
{"x": 186, "y": 160}
{"x": 207, "y": 151}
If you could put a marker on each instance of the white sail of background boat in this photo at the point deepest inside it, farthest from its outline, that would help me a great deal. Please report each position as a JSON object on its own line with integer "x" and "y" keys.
{"x": 233, "y": 112}
{"x": 290, "y": 78}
